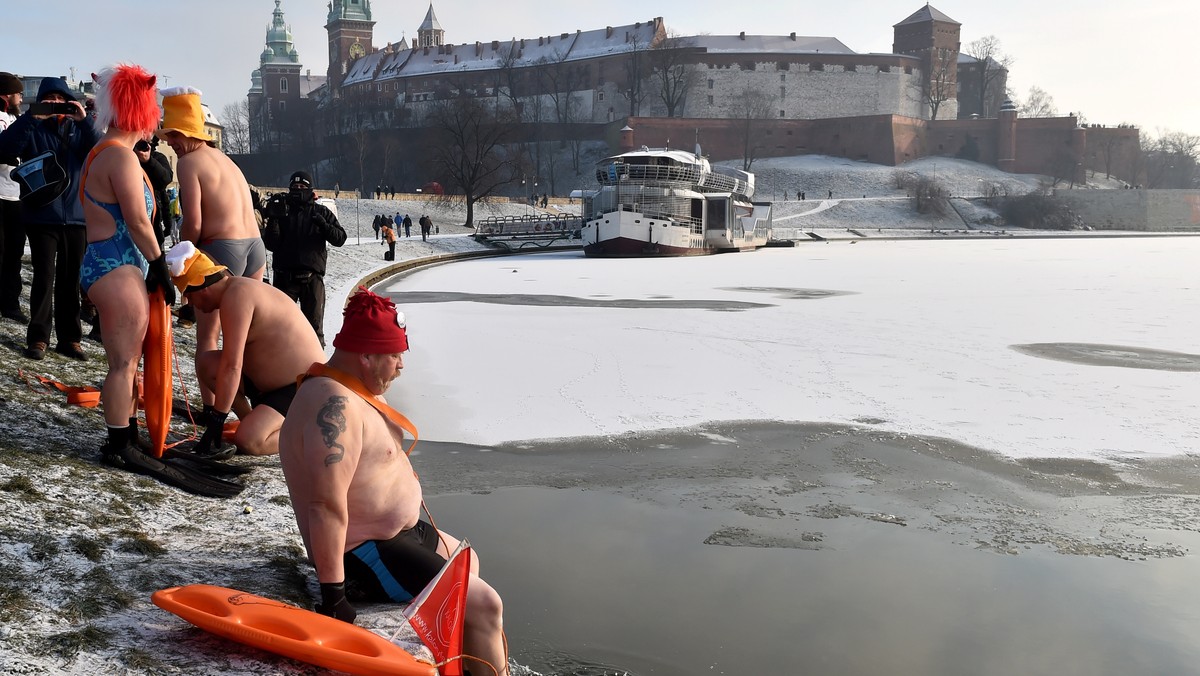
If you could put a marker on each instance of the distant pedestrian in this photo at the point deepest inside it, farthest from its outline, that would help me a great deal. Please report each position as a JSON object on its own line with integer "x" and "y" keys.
{"x": 376, "y": 224}
{"x": 337, "y": 190}
{"x": 830, "y": 194}
{"x": 407, "y": 226}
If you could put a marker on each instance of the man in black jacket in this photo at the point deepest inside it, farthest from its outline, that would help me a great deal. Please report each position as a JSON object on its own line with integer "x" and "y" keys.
{"x": 296, "y": 232}
{"x": 158, "y": 170}
{"x": 56, "y": 230}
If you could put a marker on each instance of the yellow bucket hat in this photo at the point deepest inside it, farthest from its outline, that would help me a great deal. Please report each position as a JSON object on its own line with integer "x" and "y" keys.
{"x": 182, "y": 113}
{"x": 191, "y": 269}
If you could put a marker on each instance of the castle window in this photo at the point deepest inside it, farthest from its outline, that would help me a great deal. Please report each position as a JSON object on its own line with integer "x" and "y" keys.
{"x": 749, "y": 65}
{"x": 782, "y": 92}
{"x": 885, "y": 69}
{"x": 283, "y": 85}
{"x": 781, "y": 113}
{"x": 710, "y": 84}
{"x": 283, "y": 106}
{"x": 601, "y": 96}
{"x": 816, "y": 66}
{"x": 851, "y": 68}
{"x": 782, "y": 65}
{"x": 710, "y": 99}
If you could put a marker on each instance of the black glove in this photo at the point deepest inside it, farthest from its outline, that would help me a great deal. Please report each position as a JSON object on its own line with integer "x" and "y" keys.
{"x": 334, "y": 603}
{"x": 159, "y": 277}
{"x": 214, "y": 424}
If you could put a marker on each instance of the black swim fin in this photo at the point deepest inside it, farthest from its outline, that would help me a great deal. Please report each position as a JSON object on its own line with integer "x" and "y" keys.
{"x": 206, "y": 465}
{"x": 171, "y": 473}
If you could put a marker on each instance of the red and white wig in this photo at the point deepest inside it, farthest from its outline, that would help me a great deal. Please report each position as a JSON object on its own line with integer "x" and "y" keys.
{"x": 126, "y": 98}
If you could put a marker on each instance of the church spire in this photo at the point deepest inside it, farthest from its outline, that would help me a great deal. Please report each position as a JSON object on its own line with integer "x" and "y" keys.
{"x": 430, "y": 34}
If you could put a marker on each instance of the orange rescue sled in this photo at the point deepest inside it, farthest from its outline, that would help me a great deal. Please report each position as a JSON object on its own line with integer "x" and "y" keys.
{"x": 290, "y": 631}
{"x": 156, "y": 373}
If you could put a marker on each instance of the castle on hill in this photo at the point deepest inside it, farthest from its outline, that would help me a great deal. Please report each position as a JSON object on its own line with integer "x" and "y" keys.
{"x": 809, "y": 94}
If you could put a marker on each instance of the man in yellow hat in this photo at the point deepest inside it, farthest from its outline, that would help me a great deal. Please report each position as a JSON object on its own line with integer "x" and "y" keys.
{"x": 218, "y": 215}
{"x": 266, "y": 344}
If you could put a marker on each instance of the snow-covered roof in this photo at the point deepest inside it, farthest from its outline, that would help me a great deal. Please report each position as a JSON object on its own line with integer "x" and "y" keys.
{"x": 492, "y": 55}
{"x": 431, "y": 21}
{"x": 927, "y": 13}
{"x": 773, "y": 44}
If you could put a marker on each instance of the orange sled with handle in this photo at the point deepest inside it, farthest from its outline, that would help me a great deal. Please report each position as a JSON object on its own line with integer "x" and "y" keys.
{"x": 290, "y": 631}
{"x": 156, "y": 373}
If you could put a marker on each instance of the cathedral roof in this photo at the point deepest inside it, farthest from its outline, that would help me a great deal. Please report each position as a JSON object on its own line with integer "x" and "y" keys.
{"x": 355, "y": 10}
{"x": 280, "y": 47}
{"x": 926, "y": 14}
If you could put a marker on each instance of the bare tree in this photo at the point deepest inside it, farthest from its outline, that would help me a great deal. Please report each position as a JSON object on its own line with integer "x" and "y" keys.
{"x": 637, "y": 70}
{"x": 751, "y": 107}
{"x": 1038, "y": 104}
{"x": 673, "y": 71}
{"x": 993, "y": 63}
{"x": 938, "y": 83}
{"x": 235, "y": 117}
{"x": 466, "y": 147}
{"x": 1171, "y": 160}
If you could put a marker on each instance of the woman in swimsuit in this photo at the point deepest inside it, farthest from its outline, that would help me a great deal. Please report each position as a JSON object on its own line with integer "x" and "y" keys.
{"x": 123, "y": 259}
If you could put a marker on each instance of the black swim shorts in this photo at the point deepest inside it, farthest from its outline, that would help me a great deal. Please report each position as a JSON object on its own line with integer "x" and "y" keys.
{"x": 393, "y": 570}
{"x": 279, "y": 399}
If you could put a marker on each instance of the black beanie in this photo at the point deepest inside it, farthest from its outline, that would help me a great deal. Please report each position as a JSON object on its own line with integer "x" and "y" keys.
{"x": 10, "y": 84}
{"x": 301, "y": 176}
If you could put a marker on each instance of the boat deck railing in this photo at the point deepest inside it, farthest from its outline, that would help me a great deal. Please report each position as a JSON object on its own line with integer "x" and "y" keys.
{"x": 530, "y": 231}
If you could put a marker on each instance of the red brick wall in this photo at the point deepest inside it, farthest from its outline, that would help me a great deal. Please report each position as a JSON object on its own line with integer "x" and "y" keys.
{"x": 1043, "y": 145}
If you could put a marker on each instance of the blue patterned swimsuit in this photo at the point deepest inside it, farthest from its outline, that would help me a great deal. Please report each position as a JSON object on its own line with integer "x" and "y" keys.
{"x": 107, "y": 255}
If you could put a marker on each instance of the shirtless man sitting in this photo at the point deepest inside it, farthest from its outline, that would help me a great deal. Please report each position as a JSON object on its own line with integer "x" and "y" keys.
{"x": 267, "y": 343}
{"x": 356, "y": 497}
{"x": 218, "y": 216}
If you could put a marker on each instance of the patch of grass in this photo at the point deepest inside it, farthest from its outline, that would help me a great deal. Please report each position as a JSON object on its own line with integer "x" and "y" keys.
{"x": 137, "y": 659}
{"x": 281, "y": 500}
{"x": 23, "y": 486}
{"x": 97, "y": 594}
{"x": 15, "y": 601}
{"x": 43, "y": 547}
{"x": 136, "y": 542}
{"x": 90, "y": 548}
{"x": 68, "y": 644}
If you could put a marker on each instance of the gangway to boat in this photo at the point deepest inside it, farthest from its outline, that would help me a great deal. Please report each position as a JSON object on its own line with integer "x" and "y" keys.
{"x": 532, "y": 231}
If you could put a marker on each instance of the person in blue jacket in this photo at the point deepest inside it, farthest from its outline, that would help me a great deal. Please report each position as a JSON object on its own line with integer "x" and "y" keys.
{"x": 56, "y": 231}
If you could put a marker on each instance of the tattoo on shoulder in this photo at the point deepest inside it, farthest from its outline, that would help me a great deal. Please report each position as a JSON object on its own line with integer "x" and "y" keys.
{"x": 332, "y": 421}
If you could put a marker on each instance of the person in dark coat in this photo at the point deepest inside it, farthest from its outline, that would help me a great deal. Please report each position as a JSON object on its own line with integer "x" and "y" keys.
{"x": 158, "y": 170}
{"x": 56, "y": 231}
{"x": 297, "y": 231}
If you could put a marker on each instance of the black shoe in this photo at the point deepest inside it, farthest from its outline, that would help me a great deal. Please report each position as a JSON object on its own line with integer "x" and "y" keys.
{"x": 94, "y": 334}
{"x": 187, "y": 315}
{"x": 72, "y": 350}
{"x": 16, "y": 316}
{"x": 36, "y": 351}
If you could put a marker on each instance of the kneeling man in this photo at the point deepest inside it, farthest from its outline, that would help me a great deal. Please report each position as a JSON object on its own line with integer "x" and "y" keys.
{"x": 356, "y": 497}
{"x": 266, "y": 344}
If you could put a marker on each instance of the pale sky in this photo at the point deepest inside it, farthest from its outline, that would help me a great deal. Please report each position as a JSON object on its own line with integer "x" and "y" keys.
{"x": 1116, "y": 63}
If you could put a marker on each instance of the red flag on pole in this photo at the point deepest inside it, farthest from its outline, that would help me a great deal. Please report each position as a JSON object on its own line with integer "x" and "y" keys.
{"x": 437, "y": 613}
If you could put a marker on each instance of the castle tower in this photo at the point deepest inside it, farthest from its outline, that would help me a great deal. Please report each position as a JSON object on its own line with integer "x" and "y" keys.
{"x": 275, "y": 86}
{"x": 933, "y": 37}
{"x": 430, "y": 34}
{"x": 350, "y": 28}
{"x": 1006, "y": 142}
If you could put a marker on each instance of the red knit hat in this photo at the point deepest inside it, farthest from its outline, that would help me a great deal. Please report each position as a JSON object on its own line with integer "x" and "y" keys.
{"x": 371, "y": 325}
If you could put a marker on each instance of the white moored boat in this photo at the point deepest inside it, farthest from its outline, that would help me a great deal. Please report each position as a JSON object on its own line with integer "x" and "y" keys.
{"x": 663, "y": 202}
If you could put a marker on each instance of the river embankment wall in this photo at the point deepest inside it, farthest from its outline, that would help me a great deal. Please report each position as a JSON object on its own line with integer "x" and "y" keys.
{"x": 1148, "y": 210}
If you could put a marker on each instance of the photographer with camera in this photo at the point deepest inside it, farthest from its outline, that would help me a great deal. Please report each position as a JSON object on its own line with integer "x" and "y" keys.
{"x": 296, "y": 231}
{"x": 55, "y": 134}
{"x": 158, "y": 170}
{"x": 12, "y": 239}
